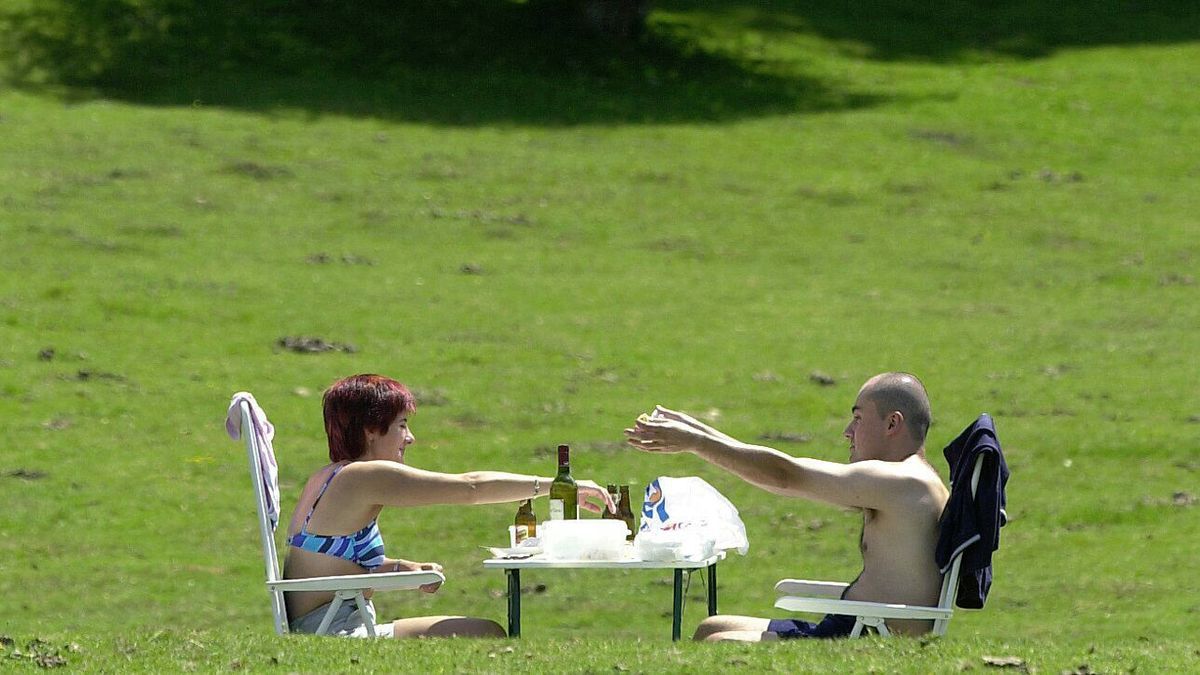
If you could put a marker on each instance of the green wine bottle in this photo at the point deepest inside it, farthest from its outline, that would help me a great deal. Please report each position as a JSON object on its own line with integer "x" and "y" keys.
{"x": 564, "y": 494}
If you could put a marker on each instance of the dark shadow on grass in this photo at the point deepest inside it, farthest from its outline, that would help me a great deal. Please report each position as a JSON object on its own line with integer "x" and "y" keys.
{"x": 470, "y": 62}
{"x": 453, "y": 62}
{"x": 955, "y": 30}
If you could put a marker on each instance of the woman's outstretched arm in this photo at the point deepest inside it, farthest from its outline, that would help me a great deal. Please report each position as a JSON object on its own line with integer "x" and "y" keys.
{"x": 392, "y": 484}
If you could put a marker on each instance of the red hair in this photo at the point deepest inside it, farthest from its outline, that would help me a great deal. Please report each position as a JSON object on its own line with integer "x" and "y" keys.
{"x": 357, "y": 403}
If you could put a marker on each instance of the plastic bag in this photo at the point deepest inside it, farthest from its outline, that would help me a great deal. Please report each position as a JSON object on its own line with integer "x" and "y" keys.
{"x": 671, "y": 545}
{"x": 687, "y": 519}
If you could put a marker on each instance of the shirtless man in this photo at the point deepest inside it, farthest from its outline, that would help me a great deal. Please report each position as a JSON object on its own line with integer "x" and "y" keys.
{"x": 901, "y": 497}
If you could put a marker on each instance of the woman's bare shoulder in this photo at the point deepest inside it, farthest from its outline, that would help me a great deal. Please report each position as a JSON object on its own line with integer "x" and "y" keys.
{"x": 375, "y": 467}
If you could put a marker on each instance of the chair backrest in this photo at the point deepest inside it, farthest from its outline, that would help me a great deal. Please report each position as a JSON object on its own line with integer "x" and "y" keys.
{"x": 950, "y": 580}
{"x": 266, "y": 531}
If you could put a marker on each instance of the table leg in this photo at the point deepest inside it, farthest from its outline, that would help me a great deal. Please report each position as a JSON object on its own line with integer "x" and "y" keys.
{"x": 712, "y": 589}
{"x": 514, "y": 603}
{"x": 677, "y": 614}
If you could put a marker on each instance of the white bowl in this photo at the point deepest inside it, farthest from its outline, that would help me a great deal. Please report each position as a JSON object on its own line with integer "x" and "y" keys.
{"x": 583, "y": 539}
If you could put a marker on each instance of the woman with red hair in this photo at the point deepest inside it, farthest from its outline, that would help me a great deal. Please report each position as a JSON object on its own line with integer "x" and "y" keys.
{"x": 333, "y": 529}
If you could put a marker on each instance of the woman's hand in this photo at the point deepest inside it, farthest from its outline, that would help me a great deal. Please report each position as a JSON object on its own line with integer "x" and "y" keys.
{"x": 594, "y": 498}
{"x": 410, "y": 566}
{"x": 429, "y": 567}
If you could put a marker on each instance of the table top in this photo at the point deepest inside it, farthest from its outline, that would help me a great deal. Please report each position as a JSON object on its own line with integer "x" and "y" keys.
{"x": 540, "y": 561}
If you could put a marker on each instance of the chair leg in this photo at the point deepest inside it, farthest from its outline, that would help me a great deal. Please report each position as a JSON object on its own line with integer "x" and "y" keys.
{"x": 328, "y": 619}
{"x": 877, "y": 624}
{"x": 858, "y": 628}
{"x": 367, "y": 619}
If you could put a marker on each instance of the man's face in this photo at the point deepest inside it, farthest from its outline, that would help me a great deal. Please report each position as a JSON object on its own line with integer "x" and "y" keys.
{"x": 865, "y": 431}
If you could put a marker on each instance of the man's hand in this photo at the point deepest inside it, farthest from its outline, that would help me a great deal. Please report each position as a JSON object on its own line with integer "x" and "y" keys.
{"x": 669, "y": 431}
{"x": 684, "y": 418}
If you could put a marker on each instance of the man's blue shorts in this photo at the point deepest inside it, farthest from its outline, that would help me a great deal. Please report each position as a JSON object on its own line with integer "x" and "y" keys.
{"x": 832, "y": 626}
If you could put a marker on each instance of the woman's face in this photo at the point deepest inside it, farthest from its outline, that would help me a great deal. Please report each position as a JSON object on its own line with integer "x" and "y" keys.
{"x": 391, "y": 443}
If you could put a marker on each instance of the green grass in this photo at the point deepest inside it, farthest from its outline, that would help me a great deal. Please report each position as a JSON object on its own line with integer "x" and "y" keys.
{"x": 179, "y": 651}
{"x": 1001, "y": 200}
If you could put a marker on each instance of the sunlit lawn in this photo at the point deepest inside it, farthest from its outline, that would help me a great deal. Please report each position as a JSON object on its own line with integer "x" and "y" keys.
{"x": 1016, "y": 227}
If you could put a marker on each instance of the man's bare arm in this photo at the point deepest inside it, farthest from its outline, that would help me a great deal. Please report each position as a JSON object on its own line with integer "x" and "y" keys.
{"x": 868, "y": 484}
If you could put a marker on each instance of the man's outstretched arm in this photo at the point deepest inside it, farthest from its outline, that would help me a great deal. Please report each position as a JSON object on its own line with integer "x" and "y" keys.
{"x": 867, "y": 484}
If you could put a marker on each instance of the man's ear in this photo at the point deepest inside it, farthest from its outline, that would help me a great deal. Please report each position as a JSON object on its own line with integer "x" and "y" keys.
{"x": 895, "y": 422}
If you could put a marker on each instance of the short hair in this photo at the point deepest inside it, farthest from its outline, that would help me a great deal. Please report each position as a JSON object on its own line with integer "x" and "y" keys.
{"x": 904, "y": 393}
{"x": 354, "y": 404}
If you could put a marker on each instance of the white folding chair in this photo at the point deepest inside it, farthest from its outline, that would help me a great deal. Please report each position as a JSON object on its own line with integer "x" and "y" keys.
{"x": 824, "y": 597}
{"x": 344, "y": 587}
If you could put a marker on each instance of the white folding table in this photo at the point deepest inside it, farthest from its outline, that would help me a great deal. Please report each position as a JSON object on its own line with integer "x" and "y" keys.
{"x": 513, "y": 569}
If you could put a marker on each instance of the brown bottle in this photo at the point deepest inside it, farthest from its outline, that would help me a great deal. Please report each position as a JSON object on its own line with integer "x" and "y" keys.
{"x": 609, "y": 515}
{"x": 625, "y": 511}
{"x": 525, "y": 517}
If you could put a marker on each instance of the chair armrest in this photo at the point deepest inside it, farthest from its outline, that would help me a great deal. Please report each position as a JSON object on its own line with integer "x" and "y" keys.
{"x": 858, "y": 608}
{"x": 387, "y": 581}
{"x": 815, "y": 589}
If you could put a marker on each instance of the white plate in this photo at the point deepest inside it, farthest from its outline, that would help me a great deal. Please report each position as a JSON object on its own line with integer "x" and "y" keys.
{"x": 513, "y": 552}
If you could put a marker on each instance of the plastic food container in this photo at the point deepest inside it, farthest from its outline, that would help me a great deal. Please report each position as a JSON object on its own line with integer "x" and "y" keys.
{"x": 583, "y": 539}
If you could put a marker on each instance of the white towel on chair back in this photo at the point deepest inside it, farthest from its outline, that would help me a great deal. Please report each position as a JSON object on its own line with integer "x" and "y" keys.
{"x": 264, "y": 432}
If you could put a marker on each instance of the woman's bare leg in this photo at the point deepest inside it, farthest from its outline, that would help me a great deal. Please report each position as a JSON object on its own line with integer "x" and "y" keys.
{"x": 446, "y": 626}
{"x": 733, "y": 627}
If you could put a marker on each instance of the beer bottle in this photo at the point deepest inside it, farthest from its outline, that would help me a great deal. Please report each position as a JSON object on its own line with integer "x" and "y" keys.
{"x": 609, "y": 515}
{"x": 625, "y": 511}
{"x": 525, "y": 517}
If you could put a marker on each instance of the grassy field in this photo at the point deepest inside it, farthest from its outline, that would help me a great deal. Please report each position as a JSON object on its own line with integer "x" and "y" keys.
{"x": 545, "y": 236}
